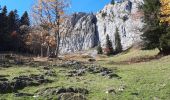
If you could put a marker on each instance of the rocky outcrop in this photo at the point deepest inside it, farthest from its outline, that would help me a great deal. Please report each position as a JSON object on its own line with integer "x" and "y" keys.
{"x": 79, "y": 33}
{"x": 83, "y": 31}
{"x": 126, "y": 17}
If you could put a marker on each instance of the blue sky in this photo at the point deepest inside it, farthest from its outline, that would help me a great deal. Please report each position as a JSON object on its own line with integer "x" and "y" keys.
{"x": 76, "y": 5}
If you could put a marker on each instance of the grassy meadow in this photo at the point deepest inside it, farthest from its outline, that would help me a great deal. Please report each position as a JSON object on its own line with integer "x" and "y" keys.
{"x": 145, "y": 80}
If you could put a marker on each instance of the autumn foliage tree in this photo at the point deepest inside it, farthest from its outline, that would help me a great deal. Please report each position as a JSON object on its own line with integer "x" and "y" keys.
{"x": 49, "y": 14}
{"x": 165, "y": 20}
{"x": 165, "y": 11}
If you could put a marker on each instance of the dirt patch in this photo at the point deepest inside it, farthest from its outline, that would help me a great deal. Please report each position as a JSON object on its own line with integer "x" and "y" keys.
{"x": 137, "y": 60}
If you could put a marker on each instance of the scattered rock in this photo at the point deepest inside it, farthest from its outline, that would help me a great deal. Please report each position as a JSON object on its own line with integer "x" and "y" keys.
{"x": 3, "y": 79}
{"x": 71, "y": 96}
{"x": 111, "y": 91}
{"x": 113, "y": 75}
{"x": 80, "y": 69}
{"x": 50, "y": 73}
{"x": 121, "y": 88}
{"x": 5, "y": 87}
{"x": 22, "y": 82}
{"x": 79, "y": 72}
{"x": 63, "y": 93}
{"x": 71, "y": 64}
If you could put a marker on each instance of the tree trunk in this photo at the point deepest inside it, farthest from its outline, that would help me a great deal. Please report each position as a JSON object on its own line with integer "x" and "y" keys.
{"x": 57, "y": 33}
{"x": 41, "y": 51}
{"x": 58, "y": 44}
{"x": 48, "y": 50}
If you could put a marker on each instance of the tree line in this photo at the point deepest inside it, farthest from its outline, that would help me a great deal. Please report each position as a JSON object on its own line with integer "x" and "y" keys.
{"x": 11, "y": 35}
{"x": 16, "y": 34}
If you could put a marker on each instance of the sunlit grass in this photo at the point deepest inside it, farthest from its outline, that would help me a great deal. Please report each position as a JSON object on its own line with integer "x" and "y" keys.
{"x": 139, "y": 81}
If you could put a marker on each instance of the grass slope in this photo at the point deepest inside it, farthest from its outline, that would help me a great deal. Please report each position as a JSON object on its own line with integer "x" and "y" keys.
{"x": 140, "y": 81}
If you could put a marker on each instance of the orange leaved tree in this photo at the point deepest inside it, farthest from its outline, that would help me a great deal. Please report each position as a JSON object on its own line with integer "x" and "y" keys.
{"x": 49, "y": 14}
{"x": 165, "y": 11}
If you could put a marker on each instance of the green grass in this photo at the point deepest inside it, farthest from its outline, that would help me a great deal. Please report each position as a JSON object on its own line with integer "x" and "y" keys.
{"x": 148, "y": 80}
{"x": 140, "y": 81}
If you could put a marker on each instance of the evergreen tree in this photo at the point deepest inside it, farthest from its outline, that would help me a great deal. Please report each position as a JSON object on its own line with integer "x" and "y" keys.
{"x": 3, "y": 27}
{"x": 25, "y": 19}
{"x": 109, "y": 48}
{"x": 118, "y": 46}
{"x": 152, "y": 29}
{"x": 13, "y": 28}
{"x": 156, "y": 34}
{"x": 3, "y": 20}
{"x": 99, "y": 49}
{"x": 4, "y": 11}
{"x": 113, "y": 2}
{"x": 165, "y": 42}
{"x": 11, "y": 21}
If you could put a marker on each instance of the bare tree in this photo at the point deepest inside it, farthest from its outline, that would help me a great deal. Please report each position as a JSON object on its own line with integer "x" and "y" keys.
{"x": 49, "y": 14}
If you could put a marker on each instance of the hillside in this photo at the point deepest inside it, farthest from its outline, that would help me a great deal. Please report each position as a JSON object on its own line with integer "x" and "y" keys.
{"x": 119, "y": 81}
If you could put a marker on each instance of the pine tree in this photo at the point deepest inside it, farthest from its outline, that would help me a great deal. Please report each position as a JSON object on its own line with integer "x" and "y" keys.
{"x": 11, "y": 21}
{"x": 156, "y": 31}
{"x": 4, "y": 11}
{"x": 3, "y": 27}
{"x": 3, "y": 20}
{"x": 165, "y": 43}
{"x": 13, "y": 29}
{"x": 152, "y": 29}
{"x": 99, "y": 49}
{"x": 113, "y": 2}
{"x": 25, "y": 19}
{"x": 109, "y": 48}
{"x": 118, "y": 46}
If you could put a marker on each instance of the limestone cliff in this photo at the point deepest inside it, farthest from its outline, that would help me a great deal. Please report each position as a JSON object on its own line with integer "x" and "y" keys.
{"x": 80, "y": 33}
{"x": 126, "y": 17}
{"x": 84, "y": 31}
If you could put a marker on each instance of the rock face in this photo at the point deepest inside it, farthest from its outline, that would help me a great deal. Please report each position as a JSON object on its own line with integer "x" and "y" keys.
{"x": 79, "y": 33}
{"x": 84, "y": 31}
{"x": 126, "y": 17}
